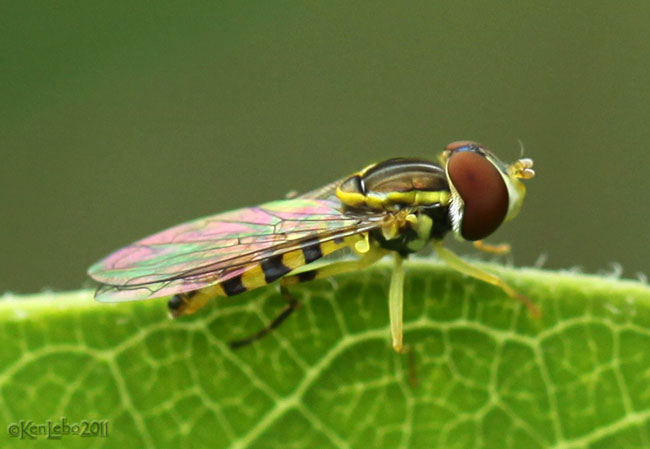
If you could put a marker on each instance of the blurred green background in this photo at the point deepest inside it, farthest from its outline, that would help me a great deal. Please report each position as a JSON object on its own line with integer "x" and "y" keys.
{"x": 118, "y": 119}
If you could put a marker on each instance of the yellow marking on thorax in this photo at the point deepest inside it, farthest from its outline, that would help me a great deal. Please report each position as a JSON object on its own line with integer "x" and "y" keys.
{"x": 362, "y": 246}
{"x": 352, "y": 199}
{"x": 382, "y": 201}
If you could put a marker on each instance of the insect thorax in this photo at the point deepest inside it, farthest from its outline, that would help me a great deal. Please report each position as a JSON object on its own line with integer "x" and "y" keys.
{"x": 413, "y": 193}
{"x": 431, "y": 223}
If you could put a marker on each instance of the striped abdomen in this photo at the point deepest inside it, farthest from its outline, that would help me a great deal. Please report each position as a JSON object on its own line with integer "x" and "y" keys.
{"x": 259, "y": 274}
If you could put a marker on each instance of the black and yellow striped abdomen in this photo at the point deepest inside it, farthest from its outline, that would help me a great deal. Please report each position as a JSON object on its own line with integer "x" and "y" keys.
{"x": 261, "y": 273}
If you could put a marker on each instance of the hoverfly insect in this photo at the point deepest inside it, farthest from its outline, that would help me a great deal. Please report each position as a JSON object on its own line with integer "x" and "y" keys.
{"x": 393, "y": 207}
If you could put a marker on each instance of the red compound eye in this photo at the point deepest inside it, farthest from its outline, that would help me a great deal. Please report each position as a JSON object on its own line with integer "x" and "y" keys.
{"x": 483, "y": 191}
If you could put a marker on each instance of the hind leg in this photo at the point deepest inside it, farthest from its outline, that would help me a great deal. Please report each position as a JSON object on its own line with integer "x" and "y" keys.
{"x": 305, "y": 276}
{"x": 292, "y": 305}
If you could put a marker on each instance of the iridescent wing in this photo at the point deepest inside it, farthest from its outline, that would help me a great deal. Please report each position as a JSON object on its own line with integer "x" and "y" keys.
{"x": 213, "y": 249}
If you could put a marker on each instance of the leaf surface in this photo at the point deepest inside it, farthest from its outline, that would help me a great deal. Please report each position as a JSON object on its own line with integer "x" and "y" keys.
{"x": 488, "y": 375}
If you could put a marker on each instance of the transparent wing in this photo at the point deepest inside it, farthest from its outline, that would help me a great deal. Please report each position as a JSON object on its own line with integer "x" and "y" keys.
{"x": 213, "y": 249}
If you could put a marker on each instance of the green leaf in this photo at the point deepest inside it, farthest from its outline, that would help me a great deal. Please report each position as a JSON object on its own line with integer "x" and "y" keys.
{"x": 488, "y": 375}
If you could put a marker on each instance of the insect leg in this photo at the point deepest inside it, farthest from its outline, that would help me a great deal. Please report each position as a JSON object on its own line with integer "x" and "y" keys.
{"x": 372, "y": 256}
{"x": 459, "y": 264}
{"x": 502, "y": 248}
{"x": 292, "y": 305}
{"x": 396, "y": 311}
{"x": 396, "y": 303}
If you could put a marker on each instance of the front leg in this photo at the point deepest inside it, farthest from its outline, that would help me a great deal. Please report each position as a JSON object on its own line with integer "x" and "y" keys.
{"x": 470, "y": 270}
